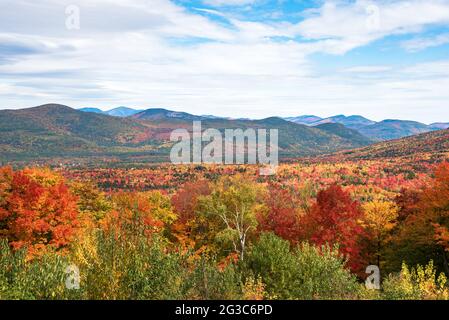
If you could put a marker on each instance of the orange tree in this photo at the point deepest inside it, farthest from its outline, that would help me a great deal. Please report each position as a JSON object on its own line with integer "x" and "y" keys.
{"x": 37, "y": 209}
{"x": 422, "y": 235}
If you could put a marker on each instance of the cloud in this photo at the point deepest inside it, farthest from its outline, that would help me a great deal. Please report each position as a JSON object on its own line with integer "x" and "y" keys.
{"x": 368, "y": 69}
{"x": 419, "y": 44}
{"x": 218, "y": 3}
{"x": 342, "y": 25}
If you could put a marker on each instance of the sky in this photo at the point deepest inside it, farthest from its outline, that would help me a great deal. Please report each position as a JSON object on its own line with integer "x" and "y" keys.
{"x": 386, "y": 59}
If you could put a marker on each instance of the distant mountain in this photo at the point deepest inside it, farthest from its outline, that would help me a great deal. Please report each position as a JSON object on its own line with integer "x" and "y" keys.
{"x": 394, "y": 129}
{"x": 344, "y": 132}
{"x": 116, "y": 112}
{"x": 209, "y": 116}
{"x": 439, "y": 126}
{"x": 353, "y": 122}
{"x": 307, "y": 119}
{"x": 376, "y": 131}
{"x": 122, "y": 112}
{"x": 160, "y": 114}
{"x": 56, "y": 131}
{"x": 92, "y": 110}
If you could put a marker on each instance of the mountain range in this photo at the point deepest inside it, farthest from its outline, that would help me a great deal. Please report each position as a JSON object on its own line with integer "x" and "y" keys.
{"x": 376, "y": 131}
{"x": 57, "y": 131}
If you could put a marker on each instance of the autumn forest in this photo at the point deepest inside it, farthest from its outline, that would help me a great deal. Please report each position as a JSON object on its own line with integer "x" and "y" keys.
{"x": 227, "y": 232}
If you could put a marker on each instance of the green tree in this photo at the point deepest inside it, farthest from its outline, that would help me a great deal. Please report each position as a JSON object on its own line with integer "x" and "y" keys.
{"x": 306, "y": 272}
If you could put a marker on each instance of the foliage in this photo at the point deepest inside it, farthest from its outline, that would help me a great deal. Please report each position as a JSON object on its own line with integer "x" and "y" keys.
{"x": 207, "y": 282}
{"x": 227, "y": 232}
{"x": 335, "y": 219}
{"x": 92, "y": 203}
{"x": 380, "y": 218}
{"x": 421, "y": 283}
{"x": 41, "y": 278}
{"x": 282, "y": 215}
{"x": 37, "y": 209}
{"x": 233, "y": 205}
{"x": 306, "y": 272}
{"x": 422, "y": 234}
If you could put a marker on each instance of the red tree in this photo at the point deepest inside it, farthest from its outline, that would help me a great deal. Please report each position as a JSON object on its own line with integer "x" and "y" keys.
{"x": 283, "y": 216}
{"x": 37, "y": 209}
{"x": 407, "y": 202}
{"x": 334, "y": 220}
{"x": 185, "y": 200}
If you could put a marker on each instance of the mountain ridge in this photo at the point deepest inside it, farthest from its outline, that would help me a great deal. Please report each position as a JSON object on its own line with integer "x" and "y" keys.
{"x": 378, "y": 131}
{"x": 54, "y": 130}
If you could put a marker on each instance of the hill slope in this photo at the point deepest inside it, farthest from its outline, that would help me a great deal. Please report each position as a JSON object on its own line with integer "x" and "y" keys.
{"x": 430, "y": 145}
{"x": 394, "y": 129}
{"x": 344, "y": 132}
{"x": 295, "y": 139}
{"x": 58, "y": 131}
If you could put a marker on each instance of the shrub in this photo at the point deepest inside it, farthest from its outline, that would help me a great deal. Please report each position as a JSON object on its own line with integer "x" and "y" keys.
{"x": 208, "y": 282}
{"x": 41, "y": 278}
{"x": 307, "y": 272}
{"x": 416, "y": 284}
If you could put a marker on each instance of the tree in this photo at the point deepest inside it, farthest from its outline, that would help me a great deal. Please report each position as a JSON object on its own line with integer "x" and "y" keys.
{"x": 304, "y": 272}
{"x": 422, "y": 234}
{"x": 435, "y": 204}
{"x": 407, "y": 202}
{"x": 139, "y": 213}
{"x": 92, "y": 203}
{"x": 380, "y": 219}
{"x": 282, "y": 216}
{"x": 335, "y": 219}
{"x": 37, "y": 209}
{"x": 185, "y": 200}
{"x": 233, "y": 205}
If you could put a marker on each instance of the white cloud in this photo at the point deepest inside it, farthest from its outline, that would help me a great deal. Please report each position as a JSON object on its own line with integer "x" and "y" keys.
{"x": 228, "y": 2}
{"x": 348, "y": 25}
{"x": 419, "y": 44}
{"x": 368, "y": 69}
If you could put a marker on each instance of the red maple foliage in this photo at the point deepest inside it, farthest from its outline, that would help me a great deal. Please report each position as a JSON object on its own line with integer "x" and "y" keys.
{"x": 334, "y": 220}
{"x": 283, "y": 216}
{"x": 185, "y": 200}
{"x": 407, "y": 202}
{"x": 37, "y": 209}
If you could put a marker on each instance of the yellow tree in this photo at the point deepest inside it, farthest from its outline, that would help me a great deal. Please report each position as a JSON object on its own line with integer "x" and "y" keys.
{"x": 380, "y": 218}
{"x": 233, "y": 204}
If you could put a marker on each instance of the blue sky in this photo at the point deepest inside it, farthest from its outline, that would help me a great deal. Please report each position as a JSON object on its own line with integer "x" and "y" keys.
{"x": 239, "y": 58}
